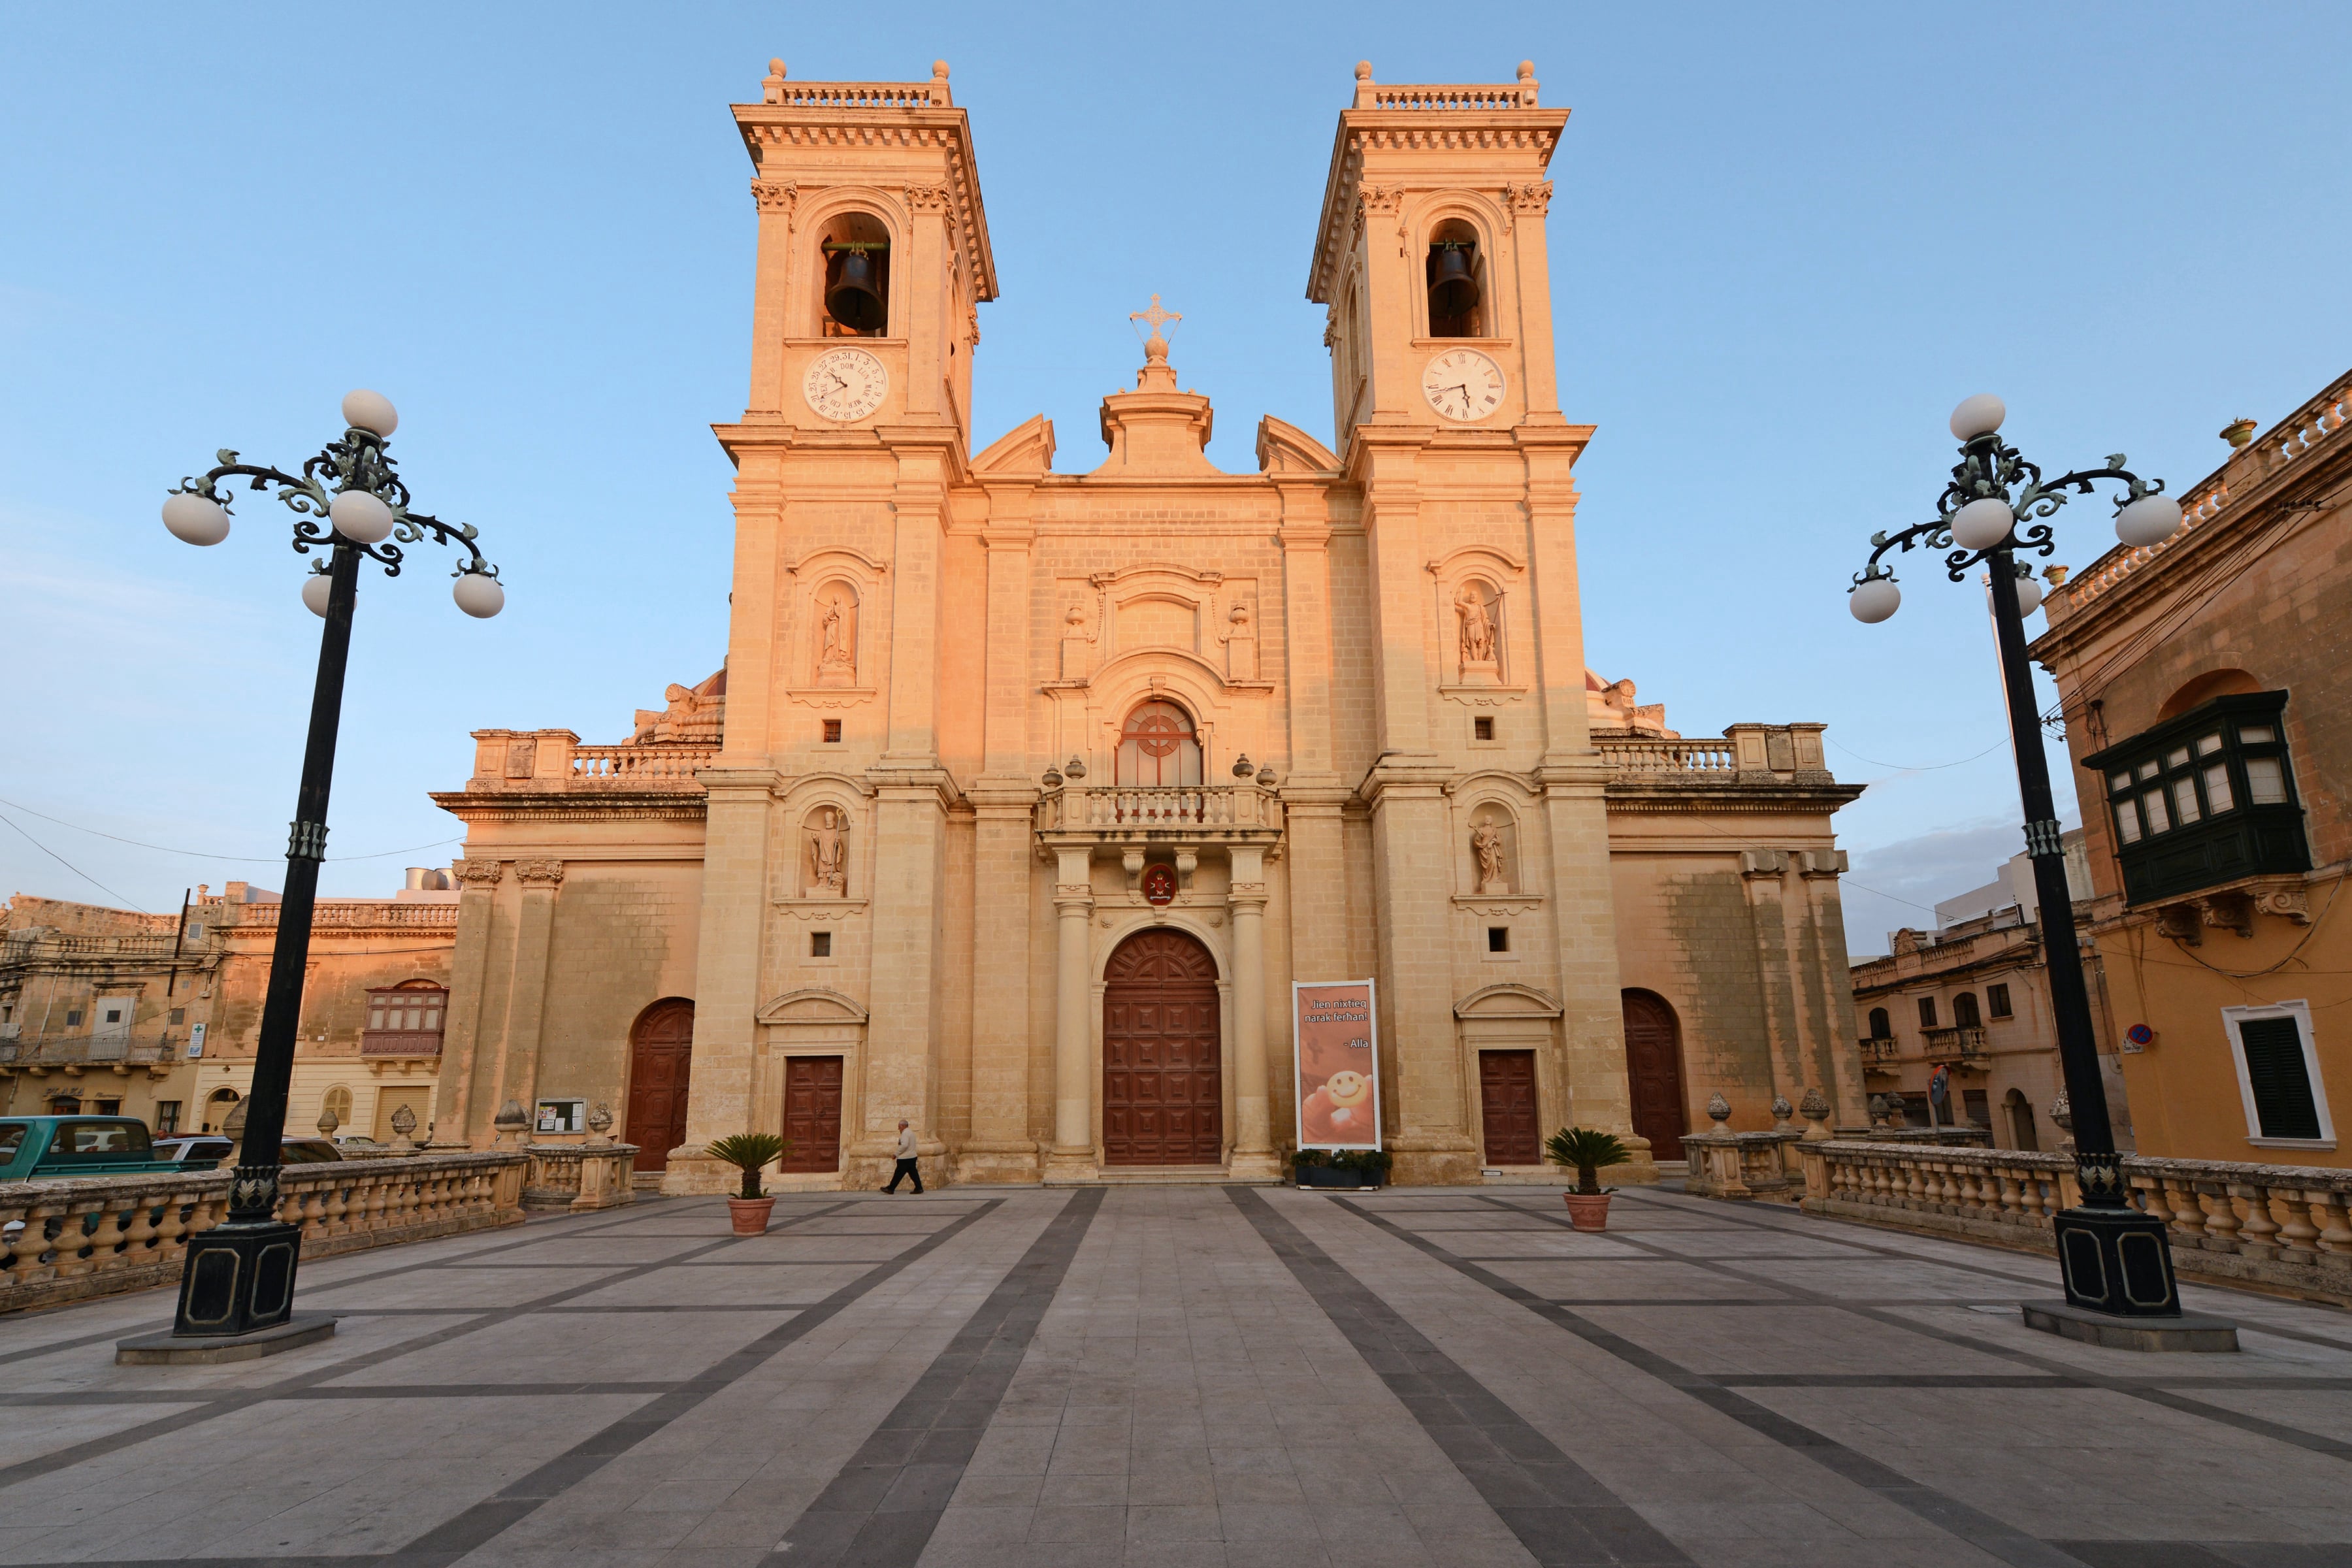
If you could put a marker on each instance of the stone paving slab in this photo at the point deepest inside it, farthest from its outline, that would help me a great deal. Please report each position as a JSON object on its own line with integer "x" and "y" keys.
{"x": 1180, "y": 1375}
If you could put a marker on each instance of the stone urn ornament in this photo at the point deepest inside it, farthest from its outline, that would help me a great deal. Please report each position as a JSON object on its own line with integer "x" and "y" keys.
{"x": 1718, "y": 1112}
{"x": 511, "y": 1122}
{"x": 600, "y": 1124}
{"x": 404, "y": 1125}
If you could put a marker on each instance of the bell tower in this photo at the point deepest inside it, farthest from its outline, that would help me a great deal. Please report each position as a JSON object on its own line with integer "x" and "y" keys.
{"x": 872, "y": 240}
{"x": 1431, "y": 261}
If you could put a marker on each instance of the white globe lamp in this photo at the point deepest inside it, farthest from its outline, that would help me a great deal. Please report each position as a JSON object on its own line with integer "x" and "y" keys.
{"x": 1983, "y": 523}
{"x": 2151, "y": 520}
{"x": 361, "y": 518}
{"x": 478, "y": 594}
{"x": 365, "y": 410}
{"x": 1978, "y": 415}
{"x": 317, "y": 589}
{"x": 195, "y": 519}
{"x": 2029, "y": 596}
{"x": 1874, "y": 599}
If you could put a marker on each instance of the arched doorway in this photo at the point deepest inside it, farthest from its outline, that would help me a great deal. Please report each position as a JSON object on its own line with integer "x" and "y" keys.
{"x": 1163, "y": 1084}
{"x": 1653, "y": 1069}
{"x": 661, "y": 1051}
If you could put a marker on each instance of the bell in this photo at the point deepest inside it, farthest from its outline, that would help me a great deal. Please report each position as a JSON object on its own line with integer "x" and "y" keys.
{"x": 853, "y": 299}
{"x": 1453, "y": 286}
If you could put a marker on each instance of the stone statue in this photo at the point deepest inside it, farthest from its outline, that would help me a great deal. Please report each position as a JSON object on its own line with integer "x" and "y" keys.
{"x": 837, "y": 663}
{"x": 828, "y": 855}
{"x": 1477, "y": 626}
{"x": 1486, "y": 843}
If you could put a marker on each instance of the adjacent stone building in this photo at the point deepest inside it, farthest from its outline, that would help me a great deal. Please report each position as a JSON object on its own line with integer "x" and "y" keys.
{"x": 2208, "y": 692}
{"x": 1023, "y": 795}
{"x": 114, "y": 1012}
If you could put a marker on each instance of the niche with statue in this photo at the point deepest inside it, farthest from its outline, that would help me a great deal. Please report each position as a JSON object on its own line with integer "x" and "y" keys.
{"x": 1493, "y": 851}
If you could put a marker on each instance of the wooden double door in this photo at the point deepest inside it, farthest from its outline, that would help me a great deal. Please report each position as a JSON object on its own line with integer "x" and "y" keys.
{"x": 1507, "y": 1109}
{"x": 812, "y": 1113}
{"x": 1163, "y": 1083}
{"x": 661, "y": 1065}
{"x": 1654, "y": 1072}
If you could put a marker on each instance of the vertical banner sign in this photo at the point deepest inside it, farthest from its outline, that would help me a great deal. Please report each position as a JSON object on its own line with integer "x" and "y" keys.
{"x": 1337, "y": 1054}
{"x": 195, "y": 1042}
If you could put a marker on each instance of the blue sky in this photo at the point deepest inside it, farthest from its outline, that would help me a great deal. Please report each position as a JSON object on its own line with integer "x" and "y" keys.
{"x": 1785, "y": 240}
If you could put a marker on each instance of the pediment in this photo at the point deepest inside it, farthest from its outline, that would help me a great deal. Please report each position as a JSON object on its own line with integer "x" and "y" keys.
{"x": 1027, "y": 448}
{"x": 1284, "y": 448}
{"x": 812, "y": 1004}
{"x": 1508, "y": 1000}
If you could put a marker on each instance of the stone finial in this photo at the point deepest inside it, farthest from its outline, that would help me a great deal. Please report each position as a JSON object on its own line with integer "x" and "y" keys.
{"x": 1266, "y": 776}
{"x": 328, "y": 1123}
{"x": 1526, "y": 71}
{"x": 2061, "y": 1111}
{"x": 511, "y": 1122}
{"x": 1878, "y": 1111}
{"x": 2239, "y": 433}
{"x": 1898, "y": 1113}
{"x": 1052, "y": 778}
{"x": 772, "y": 90}
{"x": 404, "y": 1125}
{"x": 1815, "y": 1109}
{"x": 1075, "y": 768}
{"x": 600, "y": 1123}
{"x": 1243, "y": 767}
{"x": 1781, "y": 1109}
{"x": 1719, "y": 1111}
{"x": 233, "y": 1124}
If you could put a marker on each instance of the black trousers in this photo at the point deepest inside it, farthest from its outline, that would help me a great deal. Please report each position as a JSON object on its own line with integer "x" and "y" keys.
{"x": 905, "y": 1169}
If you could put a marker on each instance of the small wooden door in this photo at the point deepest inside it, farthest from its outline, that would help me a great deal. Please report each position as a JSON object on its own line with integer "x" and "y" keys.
{"x": 813, "y": 1113}
{"x": 1653, "y": 1069}
{"x": 661, "y": 1061}
{"x": 1163, "y": 1084}
{"x": 1507, "y": 1102}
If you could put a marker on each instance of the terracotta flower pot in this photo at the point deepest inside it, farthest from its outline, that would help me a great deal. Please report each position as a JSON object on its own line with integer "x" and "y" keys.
{"x": 750, "y": 1214}
{"x": 1587, "y": 1211}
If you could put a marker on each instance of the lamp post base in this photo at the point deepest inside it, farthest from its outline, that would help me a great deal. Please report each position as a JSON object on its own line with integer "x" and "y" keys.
{"x": 240, "y": 1277}
{"x": 2188, "y": 1332}
{"x": 2116, "y": 1260}
{"x": 168, "y": 1349}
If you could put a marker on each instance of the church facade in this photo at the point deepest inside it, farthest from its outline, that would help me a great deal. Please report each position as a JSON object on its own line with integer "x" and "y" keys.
{"x": 1026, "y": 795}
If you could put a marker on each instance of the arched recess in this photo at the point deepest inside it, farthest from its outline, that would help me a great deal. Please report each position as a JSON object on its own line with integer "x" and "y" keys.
{"x": 2023, "y": 1134}
{"x": 1492, "y": 846}
{"x": 1455, "y": 284}
{"x": 853, "y": 269}
{"x": 1163, "y": 1082}
{"x": 1881, "y": 1026}
{"x": 1654, "y": 1072}
{"x": 661, "y": 1060}
{"x": 1159, "y": 746}
{"x": 2205, "y": 688}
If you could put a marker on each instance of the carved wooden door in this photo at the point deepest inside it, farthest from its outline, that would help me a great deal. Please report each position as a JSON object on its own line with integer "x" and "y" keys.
{"x": 813, "y": 1113}
{"x": 661, "y": 1051}
{"x": 1506, "y": 1103}
{"x": 1163, "y": 1086}
{"x": 1653, "y": 1069}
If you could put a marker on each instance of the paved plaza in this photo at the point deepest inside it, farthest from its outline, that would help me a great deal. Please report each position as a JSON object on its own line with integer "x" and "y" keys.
{"x": 1181, "y": 1376}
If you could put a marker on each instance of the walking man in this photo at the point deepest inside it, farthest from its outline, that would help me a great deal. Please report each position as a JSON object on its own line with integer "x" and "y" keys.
{"x": 907, "y": 1166}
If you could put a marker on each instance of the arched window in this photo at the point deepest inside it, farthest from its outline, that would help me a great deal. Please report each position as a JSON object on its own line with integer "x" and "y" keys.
{"x": 854, "y": 257}
{"x": 1964, "y": 1010}
{"x": 1158, "y": 746}
{"x": 1881, "y": 1026}
{"x": 1456, "y": 276}
{"x": 338, "y": 1104}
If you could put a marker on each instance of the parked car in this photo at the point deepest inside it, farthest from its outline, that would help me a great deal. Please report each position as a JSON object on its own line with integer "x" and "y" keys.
{"x": 34, "y": 1147}
{"x": 308, "y": 1151}
{"x": 193, "y": 1150}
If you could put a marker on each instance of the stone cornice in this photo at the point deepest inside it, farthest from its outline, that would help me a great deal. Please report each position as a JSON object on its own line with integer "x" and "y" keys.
{"x": 1716, "y": 798}
{"x": 579, "y": 805}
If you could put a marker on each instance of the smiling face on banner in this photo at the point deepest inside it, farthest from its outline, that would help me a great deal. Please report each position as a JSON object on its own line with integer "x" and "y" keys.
{"x": 1338, "y": 1106}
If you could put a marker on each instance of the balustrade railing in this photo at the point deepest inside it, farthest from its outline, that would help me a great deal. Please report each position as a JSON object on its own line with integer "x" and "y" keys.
{"x": 1963, "y": 1043}
{"x": 1880, "y": 1053}
{"x": 1464, "y": 96}
{"x": 1647, "y": 758}
{"x": 861, "y": 94}
{"x": 657, "y": 765}
{"x": 68, "y": 1240}
{"x": 1209, "y": 809}
{"x": 2285, "y": 1227}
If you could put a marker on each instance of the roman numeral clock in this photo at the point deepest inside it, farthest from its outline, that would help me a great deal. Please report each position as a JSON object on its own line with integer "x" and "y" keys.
{"x": 1463, "y": 384}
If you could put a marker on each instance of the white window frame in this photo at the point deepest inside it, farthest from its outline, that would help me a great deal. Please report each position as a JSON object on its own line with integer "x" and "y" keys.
{"x": 2300, "y": 1011}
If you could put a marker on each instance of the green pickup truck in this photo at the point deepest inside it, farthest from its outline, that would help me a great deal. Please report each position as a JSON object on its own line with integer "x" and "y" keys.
{"x": 34, "y": 1147}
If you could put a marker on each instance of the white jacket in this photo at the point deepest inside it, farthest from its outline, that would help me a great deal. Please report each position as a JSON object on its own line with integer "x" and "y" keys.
{"x": 907, "y": 1143}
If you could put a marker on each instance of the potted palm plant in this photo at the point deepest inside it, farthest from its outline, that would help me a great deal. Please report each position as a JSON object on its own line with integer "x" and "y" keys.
{"x": 1588, "y": 1152}
{"x": 749, "y": 1153}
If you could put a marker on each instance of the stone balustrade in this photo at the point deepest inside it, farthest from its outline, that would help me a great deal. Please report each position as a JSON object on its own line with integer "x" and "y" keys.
{"x": 661, "y": 765}
{"x": 580, "y": 1177}
{"x": 69, "y": 1240}
{"x": 2281, "y": 1227}
{"x": 1209, "y": 813}
{"x": 1646, "y": 758}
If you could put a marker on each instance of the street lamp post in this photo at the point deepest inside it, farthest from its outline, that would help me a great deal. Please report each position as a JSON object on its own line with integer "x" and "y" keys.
{"x": 2115, "y": 1260}
{"x": 240, "y": 1277}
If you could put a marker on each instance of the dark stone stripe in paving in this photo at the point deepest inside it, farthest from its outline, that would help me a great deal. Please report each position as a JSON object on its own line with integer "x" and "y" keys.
{"x": 2134, "y": 1387}
{"x": 1560, "y": 1513}
{"x": 879, "y": 1512}
{"x": 1979, "y": 1529}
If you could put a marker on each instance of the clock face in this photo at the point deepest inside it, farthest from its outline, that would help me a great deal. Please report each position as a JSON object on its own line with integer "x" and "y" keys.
{"x": 1463, "y": 384}
{"x": 846, "y": 384}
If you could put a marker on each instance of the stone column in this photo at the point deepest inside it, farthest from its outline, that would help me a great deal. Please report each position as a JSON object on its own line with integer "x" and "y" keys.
{"x": 1073, "y": 1155}
{"x": 1252, "y": 1110}
{"x": 1762, "y": 872}
{"x": 903, "y": 1003}
{"x": 526, "y": 994}
{"x": 469, "y": 979}
{"x": 726, "y": 972}
{"x": 775, "y": 199}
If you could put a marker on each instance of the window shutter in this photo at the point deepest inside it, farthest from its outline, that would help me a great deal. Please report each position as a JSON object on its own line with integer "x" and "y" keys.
{"x": 2274, "y": 1066}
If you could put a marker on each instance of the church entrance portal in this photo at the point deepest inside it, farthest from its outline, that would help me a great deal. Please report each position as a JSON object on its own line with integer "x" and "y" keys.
{"x": 1163, "y": 1087}
{"x": 1653, "y": 1067}
{"x": 1506, "y": 1105}
{"x": 812, "y": 1113}
{"x": 661, "y": 1052}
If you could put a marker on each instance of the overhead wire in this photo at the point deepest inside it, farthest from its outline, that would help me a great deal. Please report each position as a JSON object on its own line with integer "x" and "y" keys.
{"x": 205, "y": 854}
